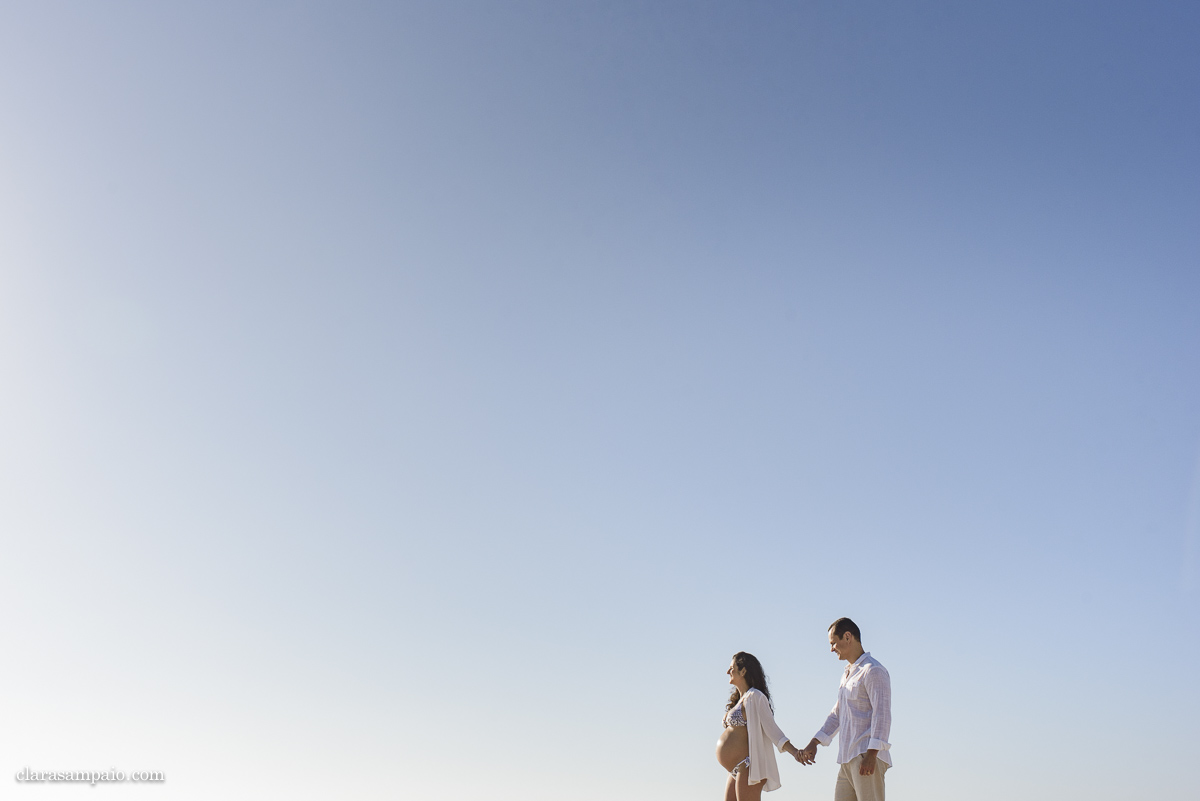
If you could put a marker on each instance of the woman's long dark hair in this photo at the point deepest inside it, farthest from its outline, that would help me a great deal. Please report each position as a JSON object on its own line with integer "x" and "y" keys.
{"x": 755, "y": 678}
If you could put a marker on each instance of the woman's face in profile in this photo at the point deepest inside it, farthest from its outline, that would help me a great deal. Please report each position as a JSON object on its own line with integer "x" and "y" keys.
{"x": 737, "y": 676}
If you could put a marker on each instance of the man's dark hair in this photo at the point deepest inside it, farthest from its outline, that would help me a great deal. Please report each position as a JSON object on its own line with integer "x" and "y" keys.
{"x": 844, "y": 624}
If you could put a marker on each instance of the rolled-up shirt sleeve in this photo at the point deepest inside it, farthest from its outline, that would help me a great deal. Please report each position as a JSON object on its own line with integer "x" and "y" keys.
{"x": 825, "y": 735}
{"x": 767, "y": 720}
{"x": 879, "y": 691}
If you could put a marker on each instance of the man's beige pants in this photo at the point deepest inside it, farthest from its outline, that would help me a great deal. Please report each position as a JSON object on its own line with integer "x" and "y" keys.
{"x": 852, "y": 787}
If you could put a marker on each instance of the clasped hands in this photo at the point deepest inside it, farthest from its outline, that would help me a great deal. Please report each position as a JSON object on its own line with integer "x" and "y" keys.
{"x": 808, "y": 756}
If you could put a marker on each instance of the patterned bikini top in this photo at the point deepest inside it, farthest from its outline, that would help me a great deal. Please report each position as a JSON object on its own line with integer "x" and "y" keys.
{"x": 737, "y": 715}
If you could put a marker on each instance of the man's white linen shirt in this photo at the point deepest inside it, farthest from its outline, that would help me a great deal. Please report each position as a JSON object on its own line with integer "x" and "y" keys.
{"x": 863, "y": 712}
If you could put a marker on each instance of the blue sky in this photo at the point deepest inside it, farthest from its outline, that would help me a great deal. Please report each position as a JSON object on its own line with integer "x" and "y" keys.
{"x": 427, "y": 399}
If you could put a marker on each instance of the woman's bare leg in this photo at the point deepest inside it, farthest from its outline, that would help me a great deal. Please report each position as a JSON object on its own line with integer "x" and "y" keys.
{"x": 731, "y": 789}
{"x": 747, "y": 791}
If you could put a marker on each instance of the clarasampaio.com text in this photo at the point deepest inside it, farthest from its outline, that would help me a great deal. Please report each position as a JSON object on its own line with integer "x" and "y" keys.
{"x": 90, "y": 776}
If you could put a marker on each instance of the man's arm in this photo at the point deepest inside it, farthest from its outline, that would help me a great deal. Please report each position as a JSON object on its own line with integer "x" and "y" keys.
{"x": 879, "y": 693}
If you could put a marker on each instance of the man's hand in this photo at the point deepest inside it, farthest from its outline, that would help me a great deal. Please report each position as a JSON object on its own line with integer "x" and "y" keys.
{"x": 867, "y": 766}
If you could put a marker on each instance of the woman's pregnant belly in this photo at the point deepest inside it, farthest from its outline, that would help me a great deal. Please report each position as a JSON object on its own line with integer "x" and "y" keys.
{"x": 733, "y": 747}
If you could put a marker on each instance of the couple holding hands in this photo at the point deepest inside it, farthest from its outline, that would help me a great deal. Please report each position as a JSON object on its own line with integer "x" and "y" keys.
{"x": 863, "y": 715}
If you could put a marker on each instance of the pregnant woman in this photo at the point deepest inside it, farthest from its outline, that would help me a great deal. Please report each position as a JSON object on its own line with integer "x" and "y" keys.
{"x": 745, "y": 746}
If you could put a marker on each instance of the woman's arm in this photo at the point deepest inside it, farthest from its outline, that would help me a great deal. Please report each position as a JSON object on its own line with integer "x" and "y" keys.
{"x": 767, "y": 721}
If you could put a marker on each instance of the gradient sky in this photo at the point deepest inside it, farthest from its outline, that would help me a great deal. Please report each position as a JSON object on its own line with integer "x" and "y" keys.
{"x": 425, "y": 400}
